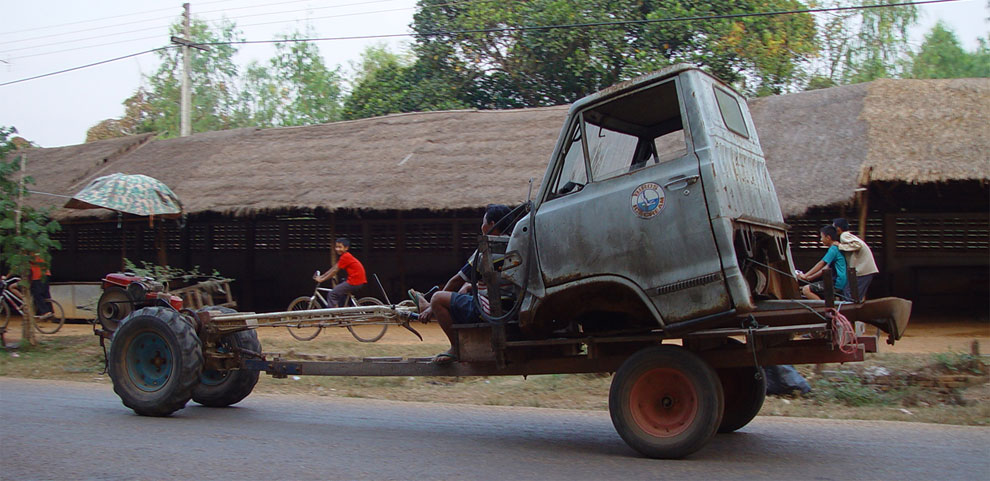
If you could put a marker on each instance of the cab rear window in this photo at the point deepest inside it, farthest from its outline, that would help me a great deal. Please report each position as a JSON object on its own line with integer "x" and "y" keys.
{"x": 731, "y": 112}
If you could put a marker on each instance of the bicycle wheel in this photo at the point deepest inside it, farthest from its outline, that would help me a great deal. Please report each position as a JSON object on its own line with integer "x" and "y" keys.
{"x": 51, "y": 324}
{"x": 368, "y": 332}
{"x": 4, "y": 314}
{"x": 303, "y": 333}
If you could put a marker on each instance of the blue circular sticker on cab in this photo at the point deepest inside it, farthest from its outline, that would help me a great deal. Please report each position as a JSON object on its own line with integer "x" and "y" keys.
{"x": 648, "y": 200}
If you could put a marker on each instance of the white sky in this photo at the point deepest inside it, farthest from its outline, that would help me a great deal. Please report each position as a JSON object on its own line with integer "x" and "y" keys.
{"x": 40, "y": 36}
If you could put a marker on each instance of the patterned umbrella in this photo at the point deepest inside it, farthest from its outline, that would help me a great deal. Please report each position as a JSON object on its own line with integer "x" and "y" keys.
{"x": 134, "y": 194}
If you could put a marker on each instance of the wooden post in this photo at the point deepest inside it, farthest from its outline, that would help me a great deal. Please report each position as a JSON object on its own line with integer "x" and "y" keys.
{"x": 863, "y": 197}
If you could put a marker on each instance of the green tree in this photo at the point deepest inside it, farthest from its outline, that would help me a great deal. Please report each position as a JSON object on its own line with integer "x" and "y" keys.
{"x": 24, "y": 231}
{"x": 515, "y": 68}
{"x": 155, "y": 106}
{"x": 942, "y": 56}
{"x": 296, "y": 88}
{"x": 386, "y": 82}
{"x": 137, "y": 112}
{"x": 862, "y": 45}
{"x": 213, "y": 78}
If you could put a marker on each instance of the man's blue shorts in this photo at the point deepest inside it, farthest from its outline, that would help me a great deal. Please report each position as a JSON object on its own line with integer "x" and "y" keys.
{"x": 463, "y": 310}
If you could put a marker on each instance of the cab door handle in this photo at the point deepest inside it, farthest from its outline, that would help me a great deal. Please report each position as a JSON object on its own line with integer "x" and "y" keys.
{"x": 687, "y": 181}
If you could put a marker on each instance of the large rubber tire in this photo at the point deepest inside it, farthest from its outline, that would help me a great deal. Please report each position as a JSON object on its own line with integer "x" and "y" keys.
{"x": 52, "y": 324}
{"x": 4, "y": 314}
{"x": 155, "y": 361}
{"x": 217, "y": 389}
{"x": 114, "y": 305}
{"x": 370, "y": 332}
{"x": 303, "y": 303}
{"x": 665, "y": 402}
{"x": 745, "y": 389}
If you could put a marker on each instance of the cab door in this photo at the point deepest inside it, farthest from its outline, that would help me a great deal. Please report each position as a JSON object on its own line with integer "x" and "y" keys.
{"x": 625, "y": 199}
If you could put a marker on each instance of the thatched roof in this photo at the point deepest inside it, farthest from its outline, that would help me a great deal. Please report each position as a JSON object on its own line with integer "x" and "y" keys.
{"x": 820, "y": 146}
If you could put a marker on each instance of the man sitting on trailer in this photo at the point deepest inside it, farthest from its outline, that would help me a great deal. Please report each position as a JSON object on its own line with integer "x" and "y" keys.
{"x": 454, "y": 304}
{"x": 833, "y": 259}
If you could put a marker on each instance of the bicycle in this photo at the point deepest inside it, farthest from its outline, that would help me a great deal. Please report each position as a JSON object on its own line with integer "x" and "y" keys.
{"x": 11, "y": 302}
{"x": 363, "y": 333}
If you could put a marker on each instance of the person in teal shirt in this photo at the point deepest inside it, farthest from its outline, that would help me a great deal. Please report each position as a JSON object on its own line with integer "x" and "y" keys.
{"x": 833, "y": 259}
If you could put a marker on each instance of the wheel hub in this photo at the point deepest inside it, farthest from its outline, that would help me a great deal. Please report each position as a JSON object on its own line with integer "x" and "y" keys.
{"x": 663, "y": 402}
{"x": 149, "y": 361}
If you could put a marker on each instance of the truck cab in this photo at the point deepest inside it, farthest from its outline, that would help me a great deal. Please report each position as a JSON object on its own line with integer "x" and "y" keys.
{"x": 656, "y": 210}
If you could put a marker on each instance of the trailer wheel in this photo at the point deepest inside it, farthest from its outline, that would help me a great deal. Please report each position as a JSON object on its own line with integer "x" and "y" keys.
{"x": 219, "y": 389}
{"x": 114, "y": 305}
{"x": 745, "y": 390}
{"x": 155, "y": 361}
{"x": 665, "y": 402}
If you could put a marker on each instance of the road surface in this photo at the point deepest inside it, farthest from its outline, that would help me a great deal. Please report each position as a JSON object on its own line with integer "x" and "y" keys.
{"x": 66, "y": 430}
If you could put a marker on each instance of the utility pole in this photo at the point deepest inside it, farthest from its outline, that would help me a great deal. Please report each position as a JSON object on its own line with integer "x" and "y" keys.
{"x": 185, "y": 126}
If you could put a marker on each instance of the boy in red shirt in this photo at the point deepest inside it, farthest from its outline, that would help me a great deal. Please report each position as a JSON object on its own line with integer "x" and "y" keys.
{"x": 349, "y": 264}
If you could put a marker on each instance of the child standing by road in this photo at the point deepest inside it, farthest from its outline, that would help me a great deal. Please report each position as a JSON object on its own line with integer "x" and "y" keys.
{"x": 349, "y": 264}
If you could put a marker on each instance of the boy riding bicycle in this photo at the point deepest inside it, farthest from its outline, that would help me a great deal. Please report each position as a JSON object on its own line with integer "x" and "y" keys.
{"x": 349, "y": 264}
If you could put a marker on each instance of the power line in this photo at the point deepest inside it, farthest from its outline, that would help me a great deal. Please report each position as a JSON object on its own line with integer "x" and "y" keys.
{"x": 208, "y": 20}
{"x": 118, "y": 16}
{"x": 216, "y": 20}
{"x": 586, "y": 25}
{"x": 84, "y": 47}
{"x": 511, "y": 29}
{"x": 83, "y": 66}
{"x": 85, "y": 21}
{"x": 104, "y": 27}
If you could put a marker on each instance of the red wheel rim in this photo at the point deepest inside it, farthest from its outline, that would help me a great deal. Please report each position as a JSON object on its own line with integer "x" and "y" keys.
{"x": 663, "y": 402}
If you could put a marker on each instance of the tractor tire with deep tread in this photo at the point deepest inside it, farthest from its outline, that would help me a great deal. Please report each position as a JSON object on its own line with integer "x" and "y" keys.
{"x": 155, "y": 361}
{"x": 665, "y": 402}
{"x": 368, "y": 332}
{"x": 745, "y": 389}
{"x": 219, "y": 389}
{"x": 114, "y": 305}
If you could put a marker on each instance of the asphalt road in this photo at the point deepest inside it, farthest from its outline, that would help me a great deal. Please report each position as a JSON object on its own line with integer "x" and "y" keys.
{"x": 65, "y": 430}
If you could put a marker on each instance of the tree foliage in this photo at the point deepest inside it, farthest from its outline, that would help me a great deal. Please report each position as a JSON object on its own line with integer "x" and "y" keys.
{"x": 942, "y": 56}
{"x": 295, "y": 88}
{"x": 385, "y": 82}
{"x": 155, "y": 106}
{"x": 24, "y": 231}
{"x": 862, "y": 45}
{"x": 462, "y": 43}
{"x": 137, "y": 112}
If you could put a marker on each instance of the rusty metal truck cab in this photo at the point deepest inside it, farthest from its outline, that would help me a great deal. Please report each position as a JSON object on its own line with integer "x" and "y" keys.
{"x": 656, "y": 208}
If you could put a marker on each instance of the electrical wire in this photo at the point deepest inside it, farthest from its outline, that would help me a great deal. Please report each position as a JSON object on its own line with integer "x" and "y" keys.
{"x": 208, "y": 20}
{"x": 268, "y": 14}
{"x": 507, "y": 29}
{"x": 586, "y": 25}
{"x": 85, "y": 66}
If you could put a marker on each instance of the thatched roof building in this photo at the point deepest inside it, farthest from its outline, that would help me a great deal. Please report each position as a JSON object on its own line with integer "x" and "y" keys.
{"x": 820, "y": 147}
